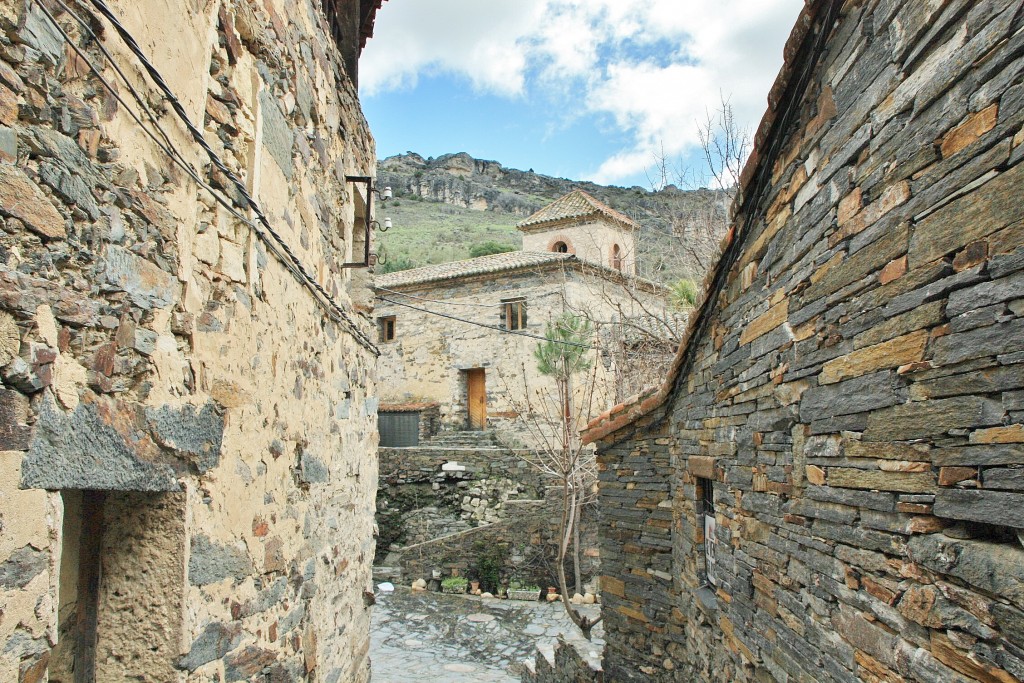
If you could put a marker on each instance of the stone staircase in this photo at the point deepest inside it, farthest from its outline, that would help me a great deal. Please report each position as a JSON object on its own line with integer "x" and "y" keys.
{"x": 465, "y": 440}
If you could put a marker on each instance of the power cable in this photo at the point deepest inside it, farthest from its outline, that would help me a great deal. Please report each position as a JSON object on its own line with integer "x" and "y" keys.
{"x": 523, "y": 293}
{"x": 277, "y": 246}
{"x": 496, "y": 328}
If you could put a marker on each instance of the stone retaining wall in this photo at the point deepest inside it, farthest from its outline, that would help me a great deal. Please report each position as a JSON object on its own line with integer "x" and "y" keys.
{"x": 851, "y": 388}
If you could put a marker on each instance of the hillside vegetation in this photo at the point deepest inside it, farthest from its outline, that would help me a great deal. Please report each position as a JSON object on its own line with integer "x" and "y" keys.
{"x": 444, "y": 207}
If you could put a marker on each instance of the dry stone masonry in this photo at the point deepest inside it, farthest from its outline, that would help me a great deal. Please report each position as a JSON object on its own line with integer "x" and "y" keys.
{"x": 829, "y": 486}
{"x": 187, "y": 437}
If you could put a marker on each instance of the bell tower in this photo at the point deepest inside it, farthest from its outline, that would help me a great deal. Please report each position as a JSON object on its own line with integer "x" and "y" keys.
{"x": 581, "y": 225}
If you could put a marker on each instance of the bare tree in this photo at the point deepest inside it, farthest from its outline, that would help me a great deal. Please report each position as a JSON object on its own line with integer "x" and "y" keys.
{"x": 697, "y": 200}
{"x": 553, "y": 416}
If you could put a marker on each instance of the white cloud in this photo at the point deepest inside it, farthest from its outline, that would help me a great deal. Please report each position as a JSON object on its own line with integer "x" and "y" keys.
{"x": 652, "y": 68}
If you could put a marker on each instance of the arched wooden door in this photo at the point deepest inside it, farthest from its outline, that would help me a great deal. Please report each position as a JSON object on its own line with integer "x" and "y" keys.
{"x": 476, "y": 393}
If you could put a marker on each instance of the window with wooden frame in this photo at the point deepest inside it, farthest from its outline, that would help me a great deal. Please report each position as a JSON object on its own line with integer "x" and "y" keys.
{"x": 513, "y": 313}
{"x": 706, "y": 519}
{"x": 386, "y": 328}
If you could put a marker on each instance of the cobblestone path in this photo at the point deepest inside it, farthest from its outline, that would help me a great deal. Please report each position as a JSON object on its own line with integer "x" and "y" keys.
{"x": 459, "y": 639}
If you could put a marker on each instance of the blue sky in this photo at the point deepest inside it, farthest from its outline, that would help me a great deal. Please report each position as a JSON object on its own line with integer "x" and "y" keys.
{"x": 583, "y": 89}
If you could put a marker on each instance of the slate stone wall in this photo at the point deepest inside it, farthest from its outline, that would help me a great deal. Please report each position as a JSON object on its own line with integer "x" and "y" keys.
{"x": 853, "y": 388}
{"x": 153, "y": 348}
{"x": 493, "y": 503}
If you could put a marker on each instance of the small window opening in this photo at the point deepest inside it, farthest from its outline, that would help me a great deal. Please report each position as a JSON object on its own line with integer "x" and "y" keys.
{"x": 616, "y": 257}
{"x": 706, "y": 518}
{"x": 560, "y": 247}
{"x": 513, "y": 312}
{"x": 387, "y": 328}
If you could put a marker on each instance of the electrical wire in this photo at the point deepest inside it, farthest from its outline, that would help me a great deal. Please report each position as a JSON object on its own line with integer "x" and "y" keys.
{"x": 277, "y": 246}
{"x": 522, "y": 292}
{"x": 496, "y": 328}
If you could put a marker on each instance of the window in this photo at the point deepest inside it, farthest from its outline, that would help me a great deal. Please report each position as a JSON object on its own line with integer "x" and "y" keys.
{"x": 386, "y": 328}
{"x": 513, "y": 313}
{"x": 616, "y": 257}
{"x": 706, "y": 518}
{"x": 560, "y": 247}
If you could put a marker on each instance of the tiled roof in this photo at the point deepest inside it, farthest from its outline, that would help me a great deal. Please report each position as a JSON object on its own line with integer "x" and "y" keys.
{"x": 406, "y": 407}
{"x": 787, "y": 87}
{"x": 510, "y": 260}
{"x": 576, "y": 204}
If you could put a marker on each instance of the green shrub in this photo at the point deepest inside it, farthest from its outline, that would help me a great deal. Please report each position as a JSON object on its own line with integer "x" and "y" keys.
{"x": 454, "y": 584}
{"x": 684, "y": 294}
{"x": 489, "y": 247}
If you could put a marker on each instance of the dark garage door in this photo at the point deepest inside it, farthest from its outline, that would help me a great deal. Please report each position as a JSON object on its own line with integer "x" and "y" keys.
{"x": 399, "y": 430}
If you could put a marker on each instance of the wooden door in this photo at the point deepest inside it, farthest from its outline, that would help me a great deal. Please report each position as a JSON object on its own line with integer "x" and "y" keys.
{"x": 476, "y": 391}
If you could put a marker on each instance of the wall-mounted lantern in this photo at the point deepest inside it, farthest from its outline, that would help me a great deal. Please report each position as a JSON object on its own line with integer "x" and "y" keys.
{"x": 369, "y": 259}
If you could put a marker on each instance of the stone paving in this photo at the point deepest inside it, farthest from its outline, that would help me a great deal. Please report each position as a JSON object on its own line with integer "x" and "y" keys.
{"x": 457, "y": 639}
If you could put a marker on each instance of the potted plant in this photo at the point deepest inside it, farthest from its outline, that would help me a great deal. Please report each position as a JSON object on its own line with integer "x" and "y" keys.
{"x": 454, "y": 585}
{"x": 520, "y": 591}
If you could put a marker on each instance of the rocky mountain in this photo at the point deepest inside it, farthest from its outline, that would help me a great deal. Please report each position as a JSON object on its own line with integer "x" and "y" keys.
{"x": 445, "y": 205}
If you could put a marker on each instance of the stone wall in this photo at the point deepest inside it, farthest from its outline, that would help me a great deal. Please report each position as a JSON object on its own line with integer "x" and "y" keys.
{"x": 428, "y": 492}
{"x": 448, "y": 507}
{"x": 523, "y": 544}
{"x": 590, "y": 240}
{"x": 427, "y": 360}
{"x": 179, "y": 416}
{"x": 851, "y": 386}
{"x": 564, "y": 663}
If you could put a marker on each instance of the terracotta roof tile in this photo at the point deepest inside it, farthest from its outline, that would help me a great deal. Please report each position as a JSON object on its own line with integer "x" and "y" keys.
{"x": 494, "y": 263}
{"x": 576, "y": 204}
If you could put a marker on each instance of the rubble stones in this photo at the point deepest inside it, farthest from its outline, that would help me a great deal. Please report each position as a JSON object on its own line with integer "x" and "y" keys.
{"x": 22, "y": 199}
{"x": 210, "y": 562}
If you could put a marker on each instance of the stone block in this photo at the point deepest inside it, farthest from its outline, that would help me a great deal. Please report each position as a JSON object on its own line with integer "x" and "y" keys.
{"x": 990, "y": 507}
{"x": 213, "y": 642}
{"x": 969, "y": 131}
{"x": 926, "y": 315}
{"x": 194, "y": 432}
{"x": 857, "y": 395}
{"x": 889, "y": 354}
{"x": 211, "y": 562}
{"x": 41, "y": 34}
{"x": 906, "y": 482}
{"x": 1011, "y": 479}
{"x": 1009, "y": 434}
{"x": 96, "y": 446}
{"x": 983, "y": 341}
{"x": 69, "y": 187}
{"x": 22, "y": 199}
{"x": 701, "y": 466}
{"x": 23, "y": 565}
{"x": 887, "y": 451}
{"x": 978, "y": 455}
{"x": 932, "y": 418}
{"x": 148, "y": 285}
{"x": 312, "y": 469}
{"x": 775, "y": 316}
{"x": 278, "y": 137}
{"x": 244, "y": 665}
{"x": 14, "y": 430}
{"x": 950, "y": 476}
{"x": 987, "y": 209}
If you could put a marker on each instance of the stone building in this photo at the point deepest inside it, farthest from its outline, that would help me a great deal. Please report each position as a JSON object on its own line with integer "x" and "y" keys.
{"x": 444, "y": 329}
{"x": 188, "y": 429}
{"x": 830, "y": 484}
